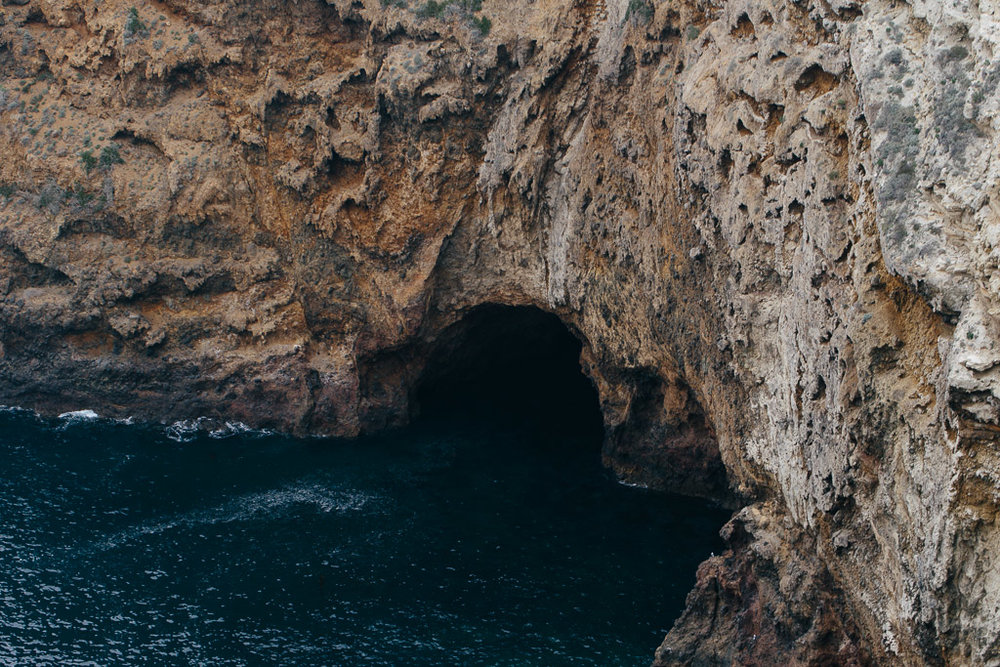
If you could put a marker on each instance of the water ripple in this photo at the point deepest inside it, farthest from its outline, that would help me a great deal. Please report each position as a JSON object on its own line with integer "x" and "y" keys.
{"x": 251, "y": 507}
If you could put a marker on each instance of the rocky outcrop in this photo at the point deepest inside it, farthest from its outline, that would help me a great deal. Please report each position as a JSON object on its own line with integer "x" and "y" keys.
{"x": 761, "y": 599}
{"x": 770, "y": 223}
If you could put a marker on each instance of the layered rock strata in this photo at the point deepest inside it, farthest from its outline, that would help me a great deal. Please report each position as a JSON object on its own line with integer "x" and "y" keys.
{"x": 770, "y": 223}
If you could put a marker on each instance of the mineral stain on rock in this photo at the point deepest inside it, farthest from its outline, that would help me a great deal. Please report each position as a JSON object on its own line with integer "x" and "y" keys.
{"x": 769, "y": 226}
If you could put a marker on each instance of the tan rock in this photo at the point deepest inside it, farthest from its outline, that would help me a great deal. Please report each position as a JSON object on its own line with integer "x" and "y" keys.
{"x": 772, "y": 225}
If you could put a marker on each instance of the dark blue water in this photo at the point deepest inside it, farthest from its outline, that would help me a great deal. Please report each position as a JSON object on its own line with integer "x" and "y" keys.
{"x": 460, "y": 544}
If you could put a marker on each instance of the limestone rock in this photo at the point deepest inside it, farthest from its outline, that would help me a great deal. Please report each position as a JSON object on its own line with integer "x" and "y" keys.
{"x": 772, "y": 224}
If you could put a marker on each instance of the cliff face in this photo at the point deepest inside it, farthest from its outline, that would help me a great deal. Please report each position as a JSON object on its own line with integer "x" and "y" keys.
{"x": 771, "y": 224}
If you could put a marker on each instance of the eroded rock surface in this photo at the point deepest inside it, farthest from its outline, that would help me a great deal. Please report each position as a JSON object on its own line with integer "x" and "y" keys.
{"x": 771, "y": 224}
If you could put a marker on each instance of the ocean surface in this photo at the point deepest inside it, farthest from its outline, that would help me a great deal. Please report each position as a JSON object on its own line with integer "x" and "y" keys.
{"x": 461, "y": 543}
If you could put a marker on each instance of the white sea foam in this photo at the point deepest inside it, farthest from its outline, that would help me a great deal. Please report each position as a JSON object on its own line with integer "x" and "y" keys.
{"x": 267, "y": 504}
{"x": 15, "y": 409}
{"x": 80, "y": 415}
{"x": 278, "y": 501}
{"x": 633, "y": 485}
{"x": 229, "y": 429}
{"x": 188, "y": 429}
{"x": 185, "y": 430}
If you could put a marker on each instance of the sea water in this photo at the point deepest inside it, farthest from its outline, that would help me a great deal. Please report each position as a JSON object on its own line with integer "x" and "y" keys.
{"x": 450, "y": 543}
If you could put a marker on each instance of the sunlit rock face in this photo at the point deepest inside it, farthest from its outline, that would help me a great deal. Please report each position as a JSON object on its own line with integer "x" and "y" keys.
{"x": 770, "y": 225}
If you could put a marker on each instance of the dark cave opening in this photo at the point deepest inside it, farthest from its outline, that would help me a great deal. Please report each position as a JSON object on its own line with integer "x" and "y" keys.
{"x": 519, "y": 367}
{"x": 516, "y": 364}
{"x": 513, "y": 376}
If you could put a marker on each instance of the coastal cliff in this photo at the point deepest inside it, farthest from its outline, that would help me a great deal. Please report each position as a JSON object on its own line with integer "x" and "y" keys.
{"x": 769, "y": 223}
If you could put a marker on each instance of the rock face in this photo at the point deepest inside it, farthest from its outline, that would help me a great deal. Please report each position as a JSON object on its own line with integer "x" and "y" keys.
{"x": 772, "y": 225}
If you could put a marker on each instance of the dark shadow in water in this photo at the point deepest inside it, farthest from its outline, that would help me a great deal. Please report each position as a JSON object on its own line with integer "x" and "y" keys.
{"x": 486, "y": 534}
{"x": 468, "y": 544}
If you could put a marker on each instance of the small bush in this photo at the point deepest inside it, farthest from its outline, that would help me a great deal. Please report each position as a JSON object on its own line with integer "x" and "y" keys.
{"x": 894, "y": 57}
{"x": 693, "y": 32}
{"x": 439, "y": 8}
{"x": 110, "y": 156}
{"x": 957, "y": 52}
{"x": 7, "y": 190}
{"x": 484, "y": 24}
{"x": 88, "y": 160}
{"x": 948, "y": 111}
{"x": 641, "y": 10}
{"x": 50, "y": 197}
{"x": 133, "y": 24}
{"x": 432, "y": 9}
{"x": 82, "y": 196}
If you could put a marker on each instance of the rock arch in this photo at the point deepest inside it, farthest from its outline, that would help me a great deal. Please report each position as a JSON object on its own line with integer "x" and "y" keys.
{"x": 525, "y": 363}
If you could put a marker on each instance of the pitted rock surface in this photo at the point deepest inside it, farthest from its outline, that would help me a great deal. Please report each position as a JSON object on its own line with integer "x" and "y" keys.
{"x": 771, "y": 223}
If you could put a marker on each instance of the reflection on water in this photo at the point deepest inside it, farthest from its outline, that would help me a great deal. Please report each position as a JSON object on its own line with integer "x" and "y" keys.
{"x": 459, "y": 544}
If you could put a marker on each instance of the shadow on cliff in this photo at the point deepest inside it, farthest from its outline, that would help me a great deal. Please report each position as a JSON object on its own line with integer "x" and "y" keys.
{"x": 512, "y": 365}
{"x": 519, "y": 367}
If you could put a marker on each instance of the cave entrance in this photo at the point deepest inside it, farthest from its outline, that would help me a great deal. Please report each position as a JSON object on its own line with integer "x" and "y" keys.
{"x": 516, "y": 364}
{"x": 556, "y": 550}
